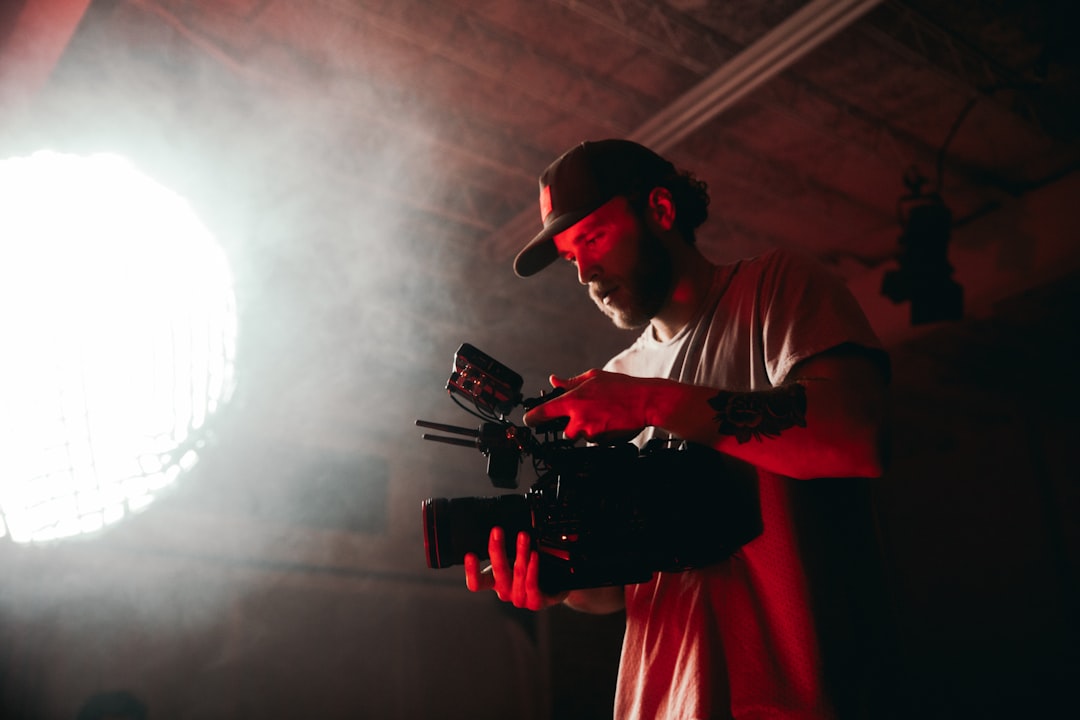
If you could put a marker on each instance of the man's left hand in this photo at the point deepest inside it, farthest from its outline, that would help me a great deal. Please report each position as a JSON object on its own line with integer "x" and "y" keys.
{"x": 601, "y": 406}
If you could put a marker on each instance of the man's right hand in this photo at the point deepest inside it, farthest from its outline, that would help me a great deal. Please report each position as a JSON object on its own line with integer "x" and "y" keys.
{"x": 518, "y": 584}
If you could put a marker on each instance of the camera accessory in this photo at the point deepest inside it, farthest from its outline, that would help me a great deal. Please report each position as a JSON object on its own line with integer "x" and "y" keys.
{"x": 484, "y": 380}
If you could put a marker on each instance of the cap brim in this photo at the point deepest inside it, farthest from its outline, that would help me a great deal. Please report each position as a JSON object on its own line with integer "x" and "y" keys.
{"x": 541, "y": 252}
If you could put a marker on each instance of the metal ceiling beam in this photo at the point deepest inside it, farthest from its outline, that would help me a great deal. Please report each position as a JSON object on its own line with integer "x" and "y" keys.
{"x": 701, "y": 49}
{"x": 809, "y": 27}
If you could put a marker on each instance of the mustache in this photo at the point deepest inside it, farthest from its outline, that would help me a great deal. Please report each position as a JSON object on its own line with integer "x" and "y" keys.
{"x": 598, "y": 292}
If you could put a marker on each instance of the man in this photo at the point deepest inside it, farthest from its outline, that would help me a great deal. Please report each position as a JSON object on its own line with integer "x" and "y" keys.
{"x": 769, "y": 361}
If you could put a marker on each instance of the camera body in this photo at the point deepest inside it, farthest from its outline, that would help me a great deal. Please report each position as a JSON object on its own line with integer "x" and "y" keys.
{"x": 597, "y": 515}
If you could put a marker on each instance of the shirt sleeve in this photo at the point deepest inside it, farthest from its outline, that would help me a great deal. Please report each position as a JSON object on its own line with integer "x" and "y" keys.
{"x": 808, "y": 310}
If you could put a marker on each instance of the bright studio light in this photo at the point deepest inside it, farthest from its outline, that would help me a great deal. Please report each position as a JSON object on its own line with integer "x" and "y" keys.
{"x": 119, "y": 330}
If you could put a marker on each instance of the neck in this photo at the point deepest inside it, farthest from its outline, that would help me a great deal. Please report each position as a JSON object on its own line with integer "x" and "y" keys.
{"x": 693, "y": 276}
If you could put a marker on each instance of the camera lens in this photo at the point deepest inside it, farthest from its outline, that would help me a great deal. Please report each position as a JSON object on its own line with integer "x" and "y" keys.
{"x": 454, "y": 527}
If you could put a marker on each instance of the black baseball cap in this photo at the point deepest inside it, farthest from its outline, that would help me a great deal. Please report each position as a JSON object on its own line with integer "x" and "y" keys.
{"x": 581, "y": 180}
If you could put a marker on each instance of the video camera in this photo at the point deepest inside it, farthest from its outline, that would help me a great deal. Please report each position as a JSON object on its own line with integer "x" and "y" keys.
{"x": 598, "y": 515}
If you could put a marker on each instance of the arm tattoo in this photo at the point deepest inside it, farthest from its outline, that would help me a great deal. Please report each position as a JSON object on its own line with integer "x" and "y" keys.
{"x": 761, "y": 414}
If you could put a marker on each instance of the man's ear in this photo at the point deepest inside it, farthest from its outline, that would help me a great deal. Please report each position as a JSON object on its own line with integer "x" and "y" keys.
{"x": 661, "y": 208}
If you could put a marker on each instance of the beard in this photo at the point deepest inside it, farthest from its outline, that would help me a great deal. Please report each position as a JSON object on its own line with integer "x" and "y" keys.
{"x": 645, "y": 291}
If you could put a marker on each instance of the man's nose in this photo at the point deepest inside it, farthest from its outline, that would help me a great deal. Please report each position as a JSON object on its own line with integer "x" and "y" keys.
{"x": 586, "y": 271}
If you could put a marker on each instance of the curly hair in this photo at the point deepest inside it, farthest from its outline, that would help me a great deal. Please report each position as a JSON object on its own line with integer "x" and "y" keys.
{"x": 691, "y": 199}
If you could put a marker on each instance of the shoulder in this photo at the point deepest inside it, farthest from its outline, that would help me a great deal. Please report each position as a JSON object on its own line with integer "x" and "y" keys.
{"x": 782, "y": 262}
{"x": 789, "y": 277}
{"x": 768, "y": 267}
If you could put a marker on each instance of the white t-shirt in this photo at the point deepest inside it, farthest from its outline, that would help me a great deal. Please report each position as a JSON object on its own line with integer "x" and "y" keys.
{"x": 740, "y": 638}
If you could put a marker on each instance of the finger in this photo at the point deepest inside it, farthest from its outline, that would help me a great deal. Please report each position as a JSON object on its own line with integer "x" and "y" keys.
{"x": 536, "y": 416}
{"x": 540, "y": 414}
{"x": 500, "y": 566}
{"x": 475, "y": 578}
{"x": 521, "y": 563}
{"x": 535, "y": 600}
{"x": 574, "y": 429}
{"x": 571, "y": 382}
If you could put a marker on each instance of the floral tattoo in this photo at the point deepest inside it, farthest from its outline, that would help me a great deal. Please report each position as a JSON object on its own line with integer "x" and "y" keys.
{"x": 758, "y": 415}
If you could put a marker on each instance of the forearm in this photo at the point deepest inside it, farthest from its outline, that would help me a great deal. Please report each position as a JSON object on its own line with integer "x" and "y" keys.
{"x": 827, "y": 419}
{"x": 598, "y": 601}
{"x": 817, "y": 425}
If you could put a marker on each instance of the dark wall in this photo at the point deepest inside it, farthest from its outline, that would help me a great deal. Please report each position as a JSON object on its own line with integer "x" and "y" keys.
{"x": 978, "y": 511}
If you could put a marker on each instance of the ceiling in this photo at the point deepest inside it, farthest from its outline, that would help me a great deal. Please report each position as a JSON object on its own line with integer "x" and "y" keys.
{"x": 371, "y": 166}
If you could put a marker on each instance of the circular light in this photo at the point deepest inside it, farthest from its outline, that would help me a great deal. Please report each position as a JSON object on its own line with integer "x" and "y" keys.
{"x": 119, "y": 333}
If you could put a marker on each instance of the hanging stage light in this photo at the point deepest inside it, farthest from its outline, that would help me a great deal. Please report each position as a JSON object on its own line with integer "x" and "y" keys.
{"x": 925, "y": 275}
